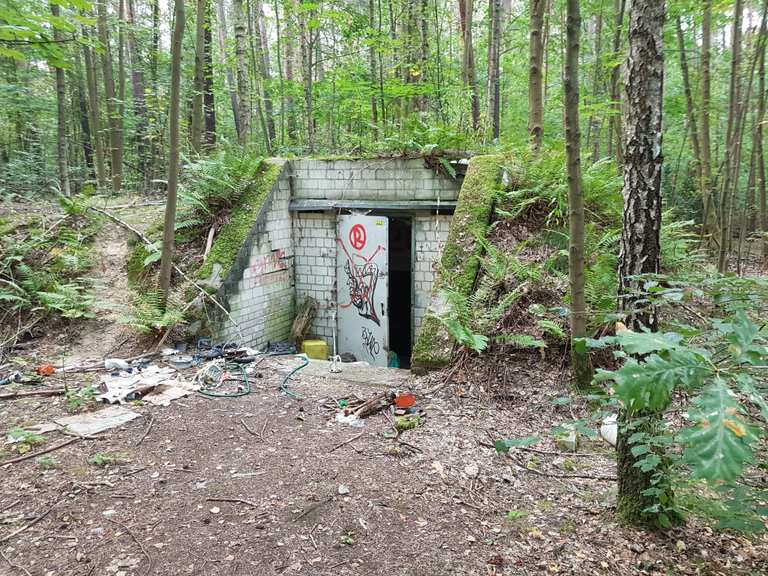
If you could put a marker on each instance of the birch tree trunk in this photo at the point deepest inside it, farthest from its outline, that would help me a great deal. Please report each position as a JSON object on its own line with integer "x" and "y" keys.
{"x": 640, "y": 237}
{"x": 61, "y": 114}
{"x": 535, "y": 69}
{"x": 582, "y": 370}
{"x": 166, "y": 259}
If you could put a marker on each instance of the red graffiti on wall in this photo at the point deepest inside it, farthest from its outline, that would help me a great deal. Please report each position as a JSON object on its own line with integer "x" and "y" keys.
{"x": 357, "y": 237}
{"x": 267, "y": 264}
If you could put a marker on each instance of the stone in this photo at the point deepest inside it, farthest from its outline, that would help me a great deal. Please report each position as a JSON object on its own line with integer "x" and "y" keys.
{"x": 568, "y": 441}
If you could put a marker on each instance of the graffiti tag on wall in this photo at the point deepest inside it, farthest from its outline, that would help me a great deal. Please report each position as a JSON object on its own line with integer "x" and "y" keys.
{"x": 266, "y": 264}
{"x": 370, "y": 344}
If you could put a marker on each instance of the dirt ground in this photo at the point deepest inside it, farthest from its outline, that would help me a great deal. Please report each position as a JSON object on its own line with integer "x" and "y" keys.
{"x": 270, "y": 484}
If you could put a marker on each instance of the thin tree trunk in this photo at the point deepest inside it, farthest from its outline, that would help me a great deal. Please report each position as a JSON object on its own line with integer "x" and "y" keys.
{"x": 582, "y": 369}
{"x": 305, "y": 40}
{"x": 614, "y": 120}
{"x": 640, "y": 237}
{"x": 708, "y": 224}
{"x": 230, "y": 75}
{"x": 198, "y": 85}
{"x": 732, "y": 140}
{"x": 113, "y": 118}
{"x": 94, "y": 113}
{"x": 372, "y": 65}
{"x": 761, "y": 184}
{"x": 290, "y": 58}
{"x": 61, "y": 114}
{"x": 209, "y": 102}
{"x": 535, "y": 69}
{"x": 243, "y": 92}
{"x": 466, "y": 10}
{"x": 280, "y": 75}
{"x": 594, "y": 119}
{"x": 494, "y": 53}
{"x": 166, "y": 260}
{"x": 253, "y": 40}
{"x": 139, "y": 100}
{"x": 263, "y": 66}
{"x": 689, "y": 105}
{"x": 85, "y": 123}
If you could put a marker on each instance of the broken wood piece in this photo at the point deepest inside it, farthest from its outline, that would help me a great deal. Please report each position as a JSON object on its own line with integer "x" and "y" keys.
{"x": 48, "y": 392}
{"x": 132, "y": 535}
{"x": 349, "y": 441}
{"x": 40, "y": 453}
{"x": 148, "y": 430}
{"x": 374, "y": 405}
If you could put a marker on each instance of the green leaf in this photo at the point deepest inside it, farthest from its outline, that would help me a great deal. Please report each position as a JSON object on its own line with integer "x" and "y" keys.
{"x": 718, "y": 445}
{"x": 503, "y": 446}
{"x": 640, "y": 343}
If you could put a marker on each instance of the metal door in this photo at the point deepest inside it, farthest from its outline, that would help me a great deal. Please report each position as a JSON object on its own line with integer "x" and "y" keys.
{"x": 362, "y": 287}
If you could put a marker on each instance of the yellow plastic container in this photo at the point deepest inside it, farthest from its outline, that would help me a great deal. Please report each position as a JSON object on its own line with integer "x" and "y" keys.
{"x": 315, "y": 349}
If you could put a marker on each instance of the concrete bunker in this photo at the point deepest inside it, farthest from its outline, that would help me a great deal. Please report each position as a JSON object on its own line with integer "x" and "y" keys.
{"x": 362, "y": 237}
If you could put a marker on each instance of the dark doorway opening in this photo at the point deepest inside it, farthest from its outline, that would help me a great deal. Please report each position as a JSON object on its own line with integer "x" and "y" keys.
{"x": 400, "y": 287}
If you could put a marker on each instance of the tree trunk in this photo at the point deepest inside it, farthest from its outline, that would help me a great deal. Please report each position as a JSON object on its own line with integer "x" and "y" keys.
{"x": 466, "y": 9}
{"x": 198, "y": 85}
{"x": 243, "y": 92}
{"x": 594, "y": 119}
{"x": 708, "y": 225}
{"x": 290, "y": 58}
{"x": 85, "y": 122}
{"x": 614, "y": 121}
{"x": 209, "y": 102}
{"x": 582, "y": 369}
{"x": 262, "y": 50}
{"x": 535, "y": 77}
{"x": 253, "y": 39}
{"x": 689, "y": 105}
{"x": 61, "y": 114}
{"x": 761, "y": 184}
{"x": 139, "y": 100}
{"x": 230, "y": 76}
{"x": 494, "y": 57}
{"x": 732, "y": 139}
{"x": 305, "y": 40}
{"x": 94, "y": 114}
{"x": 372, "y": 66}
{"x": 166, "y": 260}
{"x": 113, "y": 118}
{"x": 640, "y": 236}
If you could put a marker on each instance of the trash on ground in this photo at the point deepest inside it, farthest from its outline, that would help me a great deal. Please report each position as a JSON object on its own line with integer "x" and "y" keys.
{"x": 609, "y": 431}
{"x": 46, "y": 370}
{"x": 94, "y": 422}
{"x": 219, "y": 378}
{"x": 405, "y": 400}
{"x": 349, "y": 419}
{"x": 11, "y": 378}
{"x": 43, "y": 428}
{"x": 127, "y": 386}
{"x": 116, "y": 364}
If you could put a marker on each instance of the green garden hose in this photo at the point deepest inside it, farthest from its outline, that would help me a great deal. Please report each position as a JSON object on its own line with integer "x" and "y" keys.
{"x": 283, "y": 385}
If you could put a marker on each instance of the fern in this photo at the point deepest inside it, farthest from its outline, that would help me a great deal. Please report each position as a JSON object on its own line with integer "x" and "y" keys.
{"x": 146, "y": 313}
{"x": 520, "y": 341}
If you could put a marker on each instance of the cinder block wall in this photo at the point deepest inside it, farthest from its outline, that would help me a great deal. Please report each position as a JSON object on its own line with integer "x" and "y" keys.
{"x": 429, "y": 235}
{"x": 314, "y": 241}
{"x": 259, "y": 289}
{"x": 375, "y": 179}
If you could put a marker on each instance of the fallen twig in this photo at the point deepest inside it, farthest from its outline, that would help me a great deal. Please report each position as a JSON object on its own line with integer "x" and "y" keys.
{"x": 251, "y": 432}
{"x": 148, "y": 430}
{"x": 132, "y": 535}
{"x": 411, "y": 446}
{"x": 314, "y": 507}
{"x": 346, "y": 442}
{"x": 27, "y": 526}
{"x": 567, "y": 476}
{"x": 234, "y": 501}
{"x": 48, "y": 392}
{"x": 41, "y": 452}
{"x": 12, "y": 565}
{"x": 9, "y": 506}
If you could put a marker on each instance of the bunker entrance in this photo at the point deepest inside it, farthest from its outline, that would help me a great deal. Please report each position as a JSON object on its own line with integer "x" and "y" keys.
{"x": 375, "y": 280}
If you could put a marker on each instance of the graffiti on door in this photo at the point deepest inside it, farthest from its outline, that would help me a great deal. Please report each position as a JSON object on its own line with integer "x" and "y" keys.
{"x": 362, "y": 275}
{"x": 370, "y": 344}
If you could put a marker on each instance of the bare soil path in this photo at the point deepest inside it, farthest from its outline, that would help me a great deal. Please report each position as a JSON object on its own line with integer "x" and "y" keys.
{"x": 259, "y": 485}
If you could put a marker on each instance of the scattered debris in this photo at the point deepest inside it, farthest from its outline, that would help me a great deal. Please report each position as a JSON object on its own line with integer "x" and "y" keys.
{"x": 46, "y": 370}
{"x": 94, "y": 422}
{"x": 157, "y": 385}
{"x": 609, "y": 431}
{"x": 568, "y": 441}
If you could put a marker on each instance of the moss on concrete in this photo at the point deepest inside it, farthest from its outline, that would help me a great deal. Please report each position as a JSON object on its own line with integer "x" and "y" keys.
{"x": 460, "y": 261}
{"x": 244, "y": 215}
